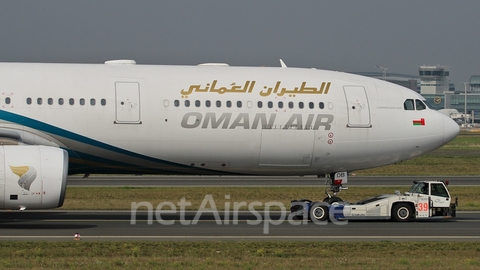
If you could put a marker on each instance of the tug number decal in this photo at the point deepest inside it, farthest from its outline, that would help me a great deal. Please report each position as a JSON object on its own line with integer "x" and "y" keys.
{"x": 422, "y": 207}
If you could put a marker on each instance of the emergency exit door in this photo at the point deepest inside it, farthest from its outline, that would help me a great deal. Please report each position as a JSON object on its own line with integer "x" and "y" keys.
{"x": 358, "y": 108}
{"x": 127, "y": 103}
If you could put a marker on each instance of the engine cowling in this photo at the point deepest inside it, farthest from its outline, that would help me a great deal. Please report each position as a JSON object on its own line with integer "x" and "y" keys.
{"x": 32, "y": 177}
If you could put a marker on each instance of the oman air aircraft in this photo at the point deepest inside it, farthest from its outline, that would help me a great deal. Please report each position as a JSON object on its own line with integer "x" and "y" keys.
{"x": 212, "y": 119}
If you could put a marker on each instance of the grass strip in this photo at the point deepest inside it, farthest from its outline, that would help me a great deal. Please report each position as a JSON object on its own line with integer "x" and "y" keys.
{"x": 239, "y": 255}
{"x": 121, "y": 198}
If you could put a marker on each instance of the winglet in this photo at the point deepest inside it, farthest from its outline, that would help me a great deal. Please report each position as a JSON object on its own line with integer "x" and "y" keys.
{"x": 282, "y": 64}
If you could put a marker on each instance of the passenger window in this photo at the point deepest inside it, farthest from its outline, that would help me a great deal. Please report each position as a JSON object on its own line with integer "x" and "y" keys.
{"x": 29, "y": 101}
{"x": 7, "y": 100}
{"x": 420, "y": 105}
{"x": 310, "y": 105}
{"x": 290, "y": 105}
{"x": 50, "y": 101}
{"x": 229, "y": 103}
{"x": 39, "y": 101}
{"x": 219, "y": 104}
{"x": 197, "y": 103}
{"x": 239, "y": 104}
{"x": 208, "y": 103}
{"x": 270, "y": 104}
{"x": 82, "y": 101}
{"x": 280, "y": 104}
{"x": 60, "y": 101}
{"x": 176, "y": 103}
{"x": 187, "y": 103}
{"x": 92, "y": 102}
{"x": 408, "y": 105}
{"x": 71, "y": 101}
{"x": 103, "y": 102}
{"x": 259, "y": 104}
{"x": 321, "y": 105}
{"x": 300, "y": 105}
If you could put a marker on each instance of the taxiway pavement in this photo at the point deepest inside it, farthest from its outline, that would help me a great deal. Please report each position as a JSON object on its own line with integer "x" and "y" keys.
{"x": 121, "y": 225}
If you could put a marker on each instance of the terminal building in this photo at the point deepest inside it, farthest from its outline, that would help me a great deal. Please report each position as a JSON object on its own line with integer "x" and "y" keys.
{"x": 433, "y": 80}
{"x": 433, "y": 86}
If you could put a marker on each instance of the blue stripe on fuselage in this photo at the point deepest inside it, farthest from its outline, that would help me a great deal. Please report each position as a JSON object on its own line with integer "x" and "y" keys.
{"x": 59, "y": 132}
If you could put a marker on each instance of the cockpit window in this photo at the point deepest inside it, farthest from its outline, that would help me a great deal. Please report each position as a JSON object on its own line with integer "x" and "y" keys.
{"x": 411, "y": 105}
{"x": 408, "y": 105}
{"x": 420, "y": 105}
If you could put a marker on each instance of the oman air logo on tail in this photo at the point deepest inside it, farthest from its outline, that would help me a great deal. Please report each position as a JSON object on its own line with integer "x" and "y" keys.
{"x": 27, "y": 175}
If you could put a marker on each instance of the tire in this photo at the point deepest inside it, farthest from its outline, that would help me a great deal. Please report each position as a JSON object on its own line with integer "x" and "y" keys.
{"x": 318, "y": 212}
{"x": 402, "y": 212}
{"x": 299, "y": 207}
{"x": 331, "y": 200}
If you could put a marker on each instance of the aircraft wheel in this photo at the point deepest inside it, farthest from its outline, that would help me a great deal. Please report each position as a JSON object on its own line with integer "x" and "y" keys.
{"x": 331, "y": 200}
{"x": 319, "y": 212}
{"x": 402, "y": 212}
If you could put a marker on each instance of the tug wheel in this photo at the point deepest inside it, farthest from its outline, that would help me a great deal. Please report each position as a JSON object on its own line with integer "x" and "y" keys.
{"x": 318, "y": 211}
{"x": 299, "y": 207}
{"x": 402, "y": 212}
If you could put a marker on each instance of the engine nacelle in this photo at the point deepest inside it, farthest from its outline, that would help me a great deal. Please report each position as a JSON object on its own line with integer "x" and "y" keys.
{"x": 32, "y": 177}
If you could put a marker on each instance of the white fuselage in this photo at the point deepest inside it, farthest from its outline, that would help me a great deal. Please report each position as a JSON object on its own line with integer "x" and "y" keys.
{"x": 215, "y": 120}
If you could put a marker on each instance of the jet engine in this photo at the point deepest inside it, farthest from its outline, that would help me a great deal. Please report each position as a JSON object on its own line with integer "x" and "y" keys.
{"x": 32, "y": 177}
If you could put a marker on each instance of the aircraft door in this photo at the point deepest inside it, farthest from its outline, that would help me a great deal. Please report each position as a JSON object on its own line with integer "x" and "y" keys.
{"x": 358, "y": 108}
{"x": 127, "y": 103}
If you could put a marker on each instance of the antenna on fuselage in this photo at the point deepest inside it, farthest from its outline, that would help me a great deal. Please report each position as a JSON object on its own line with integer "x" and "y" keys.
{"x": 282, "y": 64}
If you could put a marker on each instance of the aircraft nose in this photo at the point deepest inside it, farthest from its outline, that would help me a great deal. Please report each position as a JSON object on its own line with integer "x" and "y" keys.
{"x": 450, "y": 129}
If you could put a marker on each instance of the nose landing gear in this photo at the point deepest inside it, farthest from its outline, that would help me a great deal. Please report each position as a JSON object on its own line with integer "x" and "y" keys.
{"x": 319, "y": 211}
{"x": 336, "y": 181}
